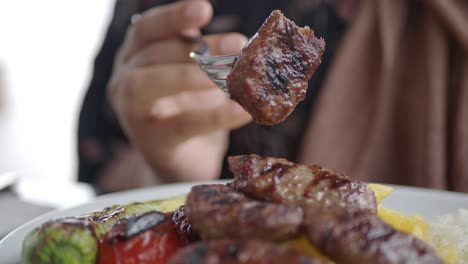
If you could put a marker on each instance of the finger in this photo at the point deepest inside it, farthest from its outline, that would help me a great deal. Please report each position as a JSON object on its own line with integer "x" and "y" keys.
{"x": 227, "y": 44}
{"x": 174, "y": 51}
{"x": 166, "y": 22}
{"x": 189, "y": 124}
{"x": 186, "y": 102}
{"x": 144, "y": 85}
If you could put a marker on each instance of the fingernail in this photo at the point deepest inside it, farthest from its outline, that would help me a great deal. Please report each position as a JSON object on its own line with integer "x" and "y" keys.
{"x": 231, "y": 44}
{"x": 196, "y": 10}
{"x": 191, "y": 35}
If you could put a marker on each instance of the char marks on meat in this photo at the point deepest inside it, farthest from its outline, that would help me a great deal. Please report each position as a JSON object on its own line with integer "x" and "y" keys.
{"x": 183, "y": 225}
{"x": 281, "y": 181}
{"x": 349, "y": 236}
{"x": 218, "y": 211}
{"x": 233, "y": 252}
{"x": 274, "y": 199}
{"x": 271, "y": 75}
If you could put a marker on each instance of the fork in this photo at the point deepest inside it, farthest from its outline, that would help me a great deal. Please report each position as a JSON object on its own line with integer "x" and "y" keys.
{"x": 216, "y": 67}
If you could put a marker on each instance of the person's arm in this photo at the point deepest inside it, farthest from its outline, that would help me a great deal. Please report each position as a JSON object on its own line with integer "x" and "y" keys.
{"x": 173, "y": 115}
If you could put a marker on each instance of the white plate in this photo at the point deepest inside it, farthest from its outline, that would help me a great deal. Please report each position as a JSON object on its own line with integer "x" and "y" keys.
{"x": 428, "y": 203}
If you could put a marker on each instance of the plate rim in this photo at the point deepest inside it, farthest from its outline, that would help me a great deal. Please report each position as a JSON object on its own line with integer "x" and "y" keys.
{"x": 104, "y": 198}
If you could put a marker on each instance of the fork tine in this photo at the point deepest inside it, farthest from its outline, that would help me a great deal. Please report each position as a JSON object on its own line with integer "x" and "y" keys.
{"x": 217, "y": 72}
{"x": 216, "y": 67}
{"x": 221, "y": 84}
{"x": 214, "y": 60}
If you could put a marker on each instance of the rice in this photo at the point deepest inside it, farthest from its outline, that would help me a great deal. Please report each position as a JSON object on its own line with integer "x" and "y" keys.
{"x": 451, "y": 230}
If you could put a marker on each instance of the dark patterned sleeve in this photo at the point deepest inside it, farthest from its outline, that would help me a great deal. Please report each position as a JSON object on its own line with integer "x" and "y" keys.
{"x": 99, "y": 134}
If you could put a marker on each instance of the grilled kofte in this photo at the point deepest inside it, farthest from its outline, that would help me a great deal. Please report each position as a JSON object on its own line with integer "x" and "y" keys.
{"x": 271, "y": 75}
{"x": 218, "y": 211}
{"x": 281, "y": 181}
{"x": 355, "y": 236}
{"x": 339, "y": 219}
{"x": 240, "y": 251}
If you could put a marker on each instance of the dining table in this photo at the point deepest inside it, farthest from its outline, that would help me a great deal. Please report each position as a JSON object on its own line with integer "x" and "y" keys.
{"x": 15, "y": 211}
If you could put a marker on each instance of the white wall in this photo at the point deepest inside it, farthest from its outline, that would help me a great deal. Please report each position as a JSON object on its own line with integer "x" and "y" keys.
{"x": 46, "y": 53}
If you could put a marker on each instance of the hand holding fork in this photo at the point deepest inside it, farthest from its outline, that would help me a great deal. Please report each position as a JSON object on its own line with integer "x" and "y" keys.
{"x": 169, "y": 108}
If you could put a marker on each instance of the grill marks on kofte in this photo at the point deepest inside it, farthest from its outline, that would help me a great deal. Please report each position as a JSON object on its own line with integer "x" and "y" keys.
{"x": 353, "y": 236}
{"x": 274, "y": 199}
{"x": 271, "y": 75}
{"x": 281, "y": 181}
{"x": 218, "y": 211}
{"x": 276, "y": 77}
{"x": 291, "y": 66}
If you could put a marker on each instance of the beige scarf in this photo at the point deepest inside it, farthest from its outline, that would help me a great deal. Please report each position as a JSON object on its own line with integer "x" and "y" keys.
{"x": 394, "y": 108}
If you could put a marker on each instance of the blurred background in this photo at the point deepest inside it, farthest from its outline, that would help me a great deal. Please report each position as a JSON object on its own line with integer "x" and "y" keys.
{"x": 46, "y": 54}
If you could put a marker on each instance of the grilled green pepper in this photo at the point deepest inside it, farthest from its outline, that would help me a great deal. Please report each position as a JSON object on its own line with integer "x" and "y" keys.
{"x": 68, "y": 240}
{"x": 75, "y": 239}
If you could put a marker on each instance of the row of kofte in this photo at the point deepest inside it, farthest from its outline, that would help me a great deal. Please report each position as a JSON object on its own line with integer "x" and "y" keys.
{"x": 269, "y": 201}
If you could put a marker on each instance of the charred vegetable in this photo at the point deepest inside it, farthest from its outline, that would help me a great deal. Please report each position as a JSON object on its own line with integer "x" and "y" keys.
{"x": 106, "y": 218}
{"x": 68, "y": 240}
{"x": 147, "y": 238}
{"x": 75, "y": 240}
